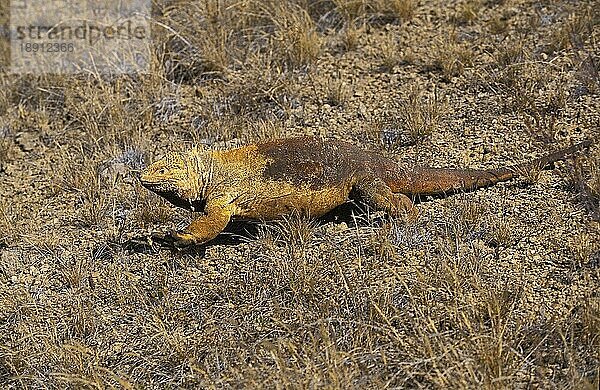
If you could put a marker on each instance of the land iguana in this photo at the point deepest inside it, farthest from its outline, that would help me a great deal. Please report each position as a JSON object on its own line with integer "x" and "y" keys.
{"x": 307, "y": 175}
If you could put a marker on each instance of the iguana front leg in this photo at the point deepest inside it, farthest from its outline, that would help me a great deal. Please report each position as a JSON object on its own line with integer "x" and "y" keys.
{"x": 204, "y": 228}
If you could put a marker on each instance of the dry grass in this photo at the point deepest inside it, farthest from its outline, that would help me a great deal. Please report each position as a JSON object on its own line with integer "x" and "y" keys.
{"x": 451, "y": 57}
{"x": 391, "y": 53}
{"x": 585, "y": 177}
{"x": 573, "y": 31}
{"x": 491, "y": 289}
{"x": 400, "y": 10}
{"x": 350, "y": 36}
{"x": 537, "y": 94}
{"x": 4, "y": 36}
{"x": 467, "y": 12}
{"x": 5, "y": 146}
{"x": 412, "y": 120}
{"x": 509, "y": 53}
{"x": 338, "y": 92}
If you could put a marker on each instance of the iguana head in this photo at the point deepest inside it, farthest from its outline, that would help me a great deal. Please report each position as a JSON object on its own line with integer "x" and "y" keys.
{"x": 170, "y": 178}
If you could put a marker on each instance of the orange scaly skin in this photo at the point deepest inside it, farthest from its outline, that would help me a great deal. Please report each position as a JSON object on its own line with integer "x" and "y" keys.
{"x": 308, "y": 175}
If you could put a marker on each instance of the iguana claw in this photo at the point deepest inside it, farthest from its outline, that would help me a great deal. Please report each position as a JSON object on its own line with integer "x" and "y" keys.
{"x": 181, "y": 239}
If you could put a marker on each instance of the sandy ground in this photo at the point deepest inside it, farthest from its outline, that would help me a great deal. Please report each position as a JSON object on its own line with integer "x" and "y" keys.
{"x": 496, "y": 288}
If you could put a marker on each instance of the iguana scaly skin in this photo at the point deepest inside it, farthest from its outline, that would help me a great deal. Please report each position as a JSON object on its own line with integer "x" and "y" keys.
{"x": 307, "y": 175}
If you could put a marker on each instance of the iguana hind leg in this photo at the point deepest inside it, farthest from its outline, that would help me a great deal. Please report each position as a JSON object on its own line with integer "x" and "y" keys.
{"x": 376, "y": 193}
{"x": 204, "y": 228}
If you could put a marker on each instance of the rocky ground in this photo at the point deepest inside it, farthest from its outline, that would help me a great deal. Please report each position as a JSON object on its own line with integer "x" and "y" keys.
{"x": 496, "y": 288}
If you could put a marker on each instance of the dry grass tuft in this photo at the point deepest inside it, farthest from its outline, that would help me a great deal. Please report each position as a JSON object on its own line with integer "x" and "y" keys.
{"x": 451, "y": 56}
{"x": 263, "y": 92}
{"x": 351, "y": 9}
{"x": 337, "y": 91}
{"x": 530, "y": 174}
{"x": 588, "y": 74}
{"x": 11, "y": 214}
{"x": 572, "y": 33}
{"x": 538, "y": 96}
{"x": 585, "y": 177}
{"x": 400, "y": 10}
{"x": 92, "y": 197}
{"x": 467, "y": 12}
{"x": 149, "y": 211}
{"x": 212, "y": 39}
{"x": 350, "y": 36}
{"x": 295, "y": 37}
{"x": 412, "y": 121}
{"x": 5, "y": 150}
{"x": 541, "y": 118}
{"x": 501, "y": 232}
{"x": 296, "y": 232}
{"x": 391, "y": 53}
{"x": 583, "y": 248}
{"x": 498, "y": 25}
{"x": 509, "y": 53}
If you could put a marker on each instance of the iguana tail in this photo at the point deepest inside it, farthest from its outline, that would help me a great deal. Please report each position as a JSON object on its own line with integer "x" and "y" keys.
{"x": 435, "y": 181}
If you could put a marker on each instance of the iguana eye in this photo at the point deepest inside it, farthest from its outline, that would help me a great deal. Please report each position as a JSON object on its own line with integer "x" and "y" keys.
{"x": 162, "y": 171}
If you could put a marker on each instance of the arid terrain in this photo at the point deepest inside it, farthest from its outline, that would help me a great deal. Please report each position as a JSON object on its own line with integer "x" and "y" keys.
{"x": 495, "y": 288}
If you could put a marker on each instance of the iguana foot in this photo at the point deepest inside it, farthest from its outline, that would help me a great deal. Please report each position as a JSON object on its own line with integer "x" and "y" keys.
{"x": 182, "y": 239}
{"x": 379, "y": 195}
{"x": 411, "y": 214}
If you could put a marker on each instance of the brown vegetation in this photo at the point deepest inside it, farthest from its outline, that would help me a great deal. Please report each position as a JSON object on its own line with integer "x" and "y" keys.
{"x": 496, "y": 288}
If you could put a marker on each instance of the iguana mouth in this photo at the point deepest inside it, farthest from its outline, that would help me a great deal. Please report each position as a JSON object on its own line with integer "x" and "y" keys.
{"x": 191, "y": 205}
{"x": 196, "y": 205}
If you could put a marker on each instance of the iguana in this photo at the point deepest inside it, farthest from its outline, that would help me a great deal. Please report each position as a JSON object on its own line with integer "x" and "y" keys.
{"x": 307, "y": 175}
